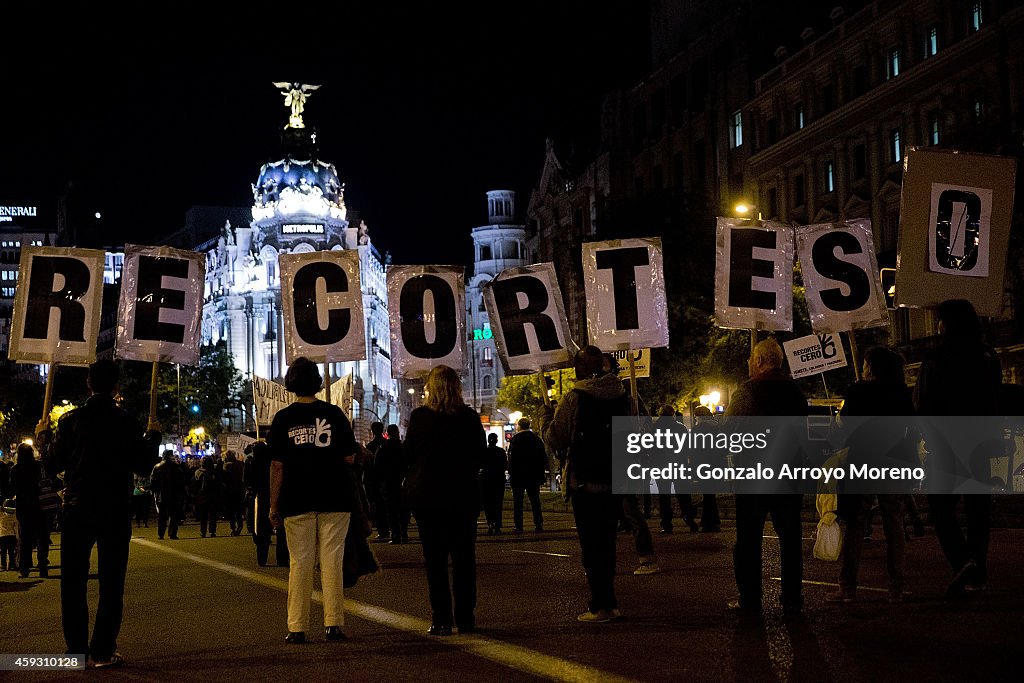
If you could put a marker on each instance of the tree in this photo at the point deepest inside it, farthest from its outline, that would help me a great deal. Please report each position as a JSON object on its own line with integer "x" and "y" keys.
{"x": 522, "y": 392}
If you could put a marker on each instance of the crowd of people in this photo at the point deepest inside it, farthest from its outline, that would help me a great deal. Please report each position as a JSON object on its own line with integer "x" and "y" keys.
{"x": 311, "y": 486}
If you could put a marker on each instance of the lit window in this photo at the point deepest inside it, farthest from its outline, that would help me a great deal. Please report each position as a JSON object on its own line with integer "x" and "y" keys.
{"x": 830, "y": 180}
{"x": 931, "y": 42}
{"x": 979, "y": 109}
{"x": 737, "y": 129}
{"x": 892, "y": 64}
{"x": 933, "y": 128}
{"x": 977, "y": 18}
{"x": 799, "y": 116}
{"x": 487, "y": 353}
{"x": 895, "y": 150}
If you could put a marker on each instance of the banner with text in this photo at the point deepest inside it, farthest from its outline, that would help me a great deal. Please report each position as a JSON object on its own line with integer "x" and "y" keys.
{"x": 528, "y": 319}
{"x": 641, "y": 362}
{"x": 160, "y": 310}
{"x": 270, "y": 397}
{"x": 625, "y": 287}
{"x": 323, "y": 306}
{"x": 814, "y": 354}
{"x": 427, "y": 311}
{"x": 56, "y": 317}
{"x": 841, "y": 276}
{"x": 753, "y": 274}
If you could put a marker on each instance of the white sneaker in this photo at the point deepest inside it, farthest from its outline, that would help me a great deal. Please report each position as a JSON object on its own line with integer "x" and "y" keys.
{"x": 601, "y": 616}
{"x": 647, "y": 568}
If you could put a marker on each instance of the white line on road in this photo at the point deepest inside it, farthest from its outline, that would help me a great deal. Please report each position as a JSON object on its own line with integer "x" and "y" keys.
{"x": 537, "y": 552}
{"x": 777, "y": 538}
{"x": 836, "y": 585}
{"x": 518, "y": 658}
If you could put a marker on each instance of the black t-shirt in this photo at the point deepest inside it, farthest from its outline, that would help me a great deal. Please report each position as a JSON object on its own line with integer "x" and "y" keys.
{"x": 311, "y": 440}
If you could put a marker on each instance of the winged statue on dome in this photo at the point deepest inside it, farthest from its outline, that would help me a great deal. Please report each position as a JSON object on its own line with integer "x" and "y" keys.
{"x": 295, "y": 95}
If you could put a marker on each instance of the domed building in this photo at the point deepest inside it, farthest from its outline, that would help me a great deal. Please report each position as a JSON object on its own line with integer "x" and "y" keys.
{"x": 298, "y": 206}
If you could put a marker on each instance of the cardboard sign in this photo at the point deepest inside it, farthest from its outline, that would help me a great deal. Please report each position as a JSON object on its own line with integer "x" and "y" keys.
{"x": 270, "y": 397}
{"x": 160, "y": 310}
{"x": 528, "y": 319}
{"x": 955, "y": 217}
{"x": 625, "y": 286}
{"x": 323, "y": 306}
{"x": 753, "y": 274}
{"x": 427, "y": 311}
{"x": 57, "y": 306}
{"x": 839, "y": 268}
{"x": 814, "y": 354}
{"x": 641, "y": 362}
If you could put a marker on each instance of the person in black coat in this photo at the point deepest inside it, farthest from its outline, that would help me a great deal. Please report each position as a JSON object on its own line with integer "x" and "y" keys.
{"x": 527, "y": 464}
{"x": 257, "y": 480}
{"x": 389, "y": 467}
{"x": 234, "y": 491}
{"x": 33, "y": 522}
{"x": 168, "y": 485}
{"x": 445, "y": 442}
{"x": 492, "y": 483}
{"x": 209, "y": 490}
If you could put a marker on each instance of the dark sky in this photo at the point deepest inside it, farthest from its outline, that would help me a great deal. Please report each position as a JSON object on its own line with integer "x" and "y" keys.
{"x": 424, "y": 106}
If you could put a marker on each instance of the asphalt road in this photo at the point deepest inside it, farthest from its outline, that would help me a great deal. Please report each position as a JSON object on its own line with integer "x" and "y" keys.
{"x": 202, "y": 610}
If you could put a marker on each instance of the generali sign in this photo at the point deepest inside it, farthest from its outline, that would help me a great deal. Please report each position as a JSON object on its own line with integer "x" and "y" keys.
{"x": 9, "y": 213}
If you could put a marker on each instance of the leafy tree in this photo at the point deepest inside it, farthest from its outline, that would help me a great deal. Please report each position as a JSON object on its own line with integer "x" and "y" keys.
{"x": 522, "y": 392}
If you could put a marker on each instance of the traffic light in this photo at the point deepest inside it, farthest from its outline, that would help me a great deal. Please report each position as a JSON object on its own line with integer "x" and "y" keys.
{"x": 194, "y": 408}
{"x": 887, "y": 276}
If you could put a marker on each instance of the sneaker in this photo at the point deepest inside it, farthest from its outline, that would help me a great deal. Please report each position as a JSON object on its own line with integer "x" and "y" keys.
{"x": 841, "y": 596}
{"x": 601, "y": 616}
{"x": 115, "y": 659}
{"x": 439, "y": 630}
{"x": 976, "y": 587}
{"x": 646, "y": 568}
{"x": 667, "y": 531}
{"x": 614, "y": 614}
{"x": 960, "y": 580}
{"x": 334, "y": 633}
{"x": 295, "y": 637}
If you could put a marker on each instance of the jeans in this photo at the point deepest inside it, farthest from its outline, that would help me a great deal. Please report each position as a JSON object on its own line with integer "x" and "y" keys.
{"x": 110, "y": 531}
{"x": 167, "y": 516}
{"x": 596, "y": 516}
{"x": 307, "y": 533}
{"x": 710, "y": 519}
{"x": 891, "y": 507}
{"x": 444, "y": 535}
{"x": 959, "y": 550}
{"x": 207, "y": 515}
{"x": 686, "y": 508}
{"x": 638, "y": 527}
{"x": 35, "y": 533}
{"x": 533, "y": 492}
{"x": 751, "y": 512}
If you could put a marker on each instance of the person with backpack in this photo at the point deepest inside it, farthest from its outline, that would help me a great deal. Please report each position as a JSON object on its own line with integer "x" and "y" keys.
{"x": 582, "y": 426}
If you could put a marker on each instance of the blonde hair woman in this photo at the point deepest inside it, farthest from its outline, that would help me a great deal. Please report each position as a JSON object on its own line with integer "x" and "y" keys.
{"x": 445, "y": 444}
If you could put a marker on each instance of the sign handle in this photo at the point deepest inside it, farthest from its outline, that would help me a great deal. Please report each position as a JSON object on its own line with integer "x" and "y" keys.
{"x": 854, "y": 356}
{"x": 327, "y": 380}
{"x": 153, "y": 393}
{"x": 753, "y": 339}
{"x": 635, "y": 403}
{"x": 255, "y": 415}
{"x": 48, "y": 396}
{"x": 543, "y": 386}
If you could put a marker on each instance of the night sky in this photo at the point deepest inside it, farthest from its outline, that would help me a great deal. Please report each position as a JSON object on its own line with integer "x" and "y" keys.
{"x": 424, "y": 106}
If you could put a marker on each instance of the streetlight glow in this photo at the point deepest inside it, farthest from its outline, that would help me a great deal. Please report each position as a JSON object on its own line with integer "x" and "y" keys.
{"x": 742, "y": 209}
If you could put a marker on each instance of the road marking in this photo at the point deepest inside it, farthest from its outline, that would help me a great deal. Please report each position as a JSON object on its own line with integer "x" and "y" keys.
{"x": 776, "y": 537}
{"x": 836, "y": 585}
{"x": 537, "y": 552}
{"x": 513, "y": 656}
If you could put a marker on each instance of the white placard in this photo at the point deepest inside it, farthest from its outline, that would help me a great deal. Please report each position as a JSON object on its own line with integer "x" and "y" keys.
{"x": 814, "y": 354}
{"x": 427, "y": 311}
{"x": 753, "y": 274}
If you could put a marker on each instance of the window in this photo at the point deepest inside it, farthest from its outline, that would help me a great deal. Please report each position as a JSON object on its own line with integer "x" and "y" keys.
{"x": 486, "y": 384}
{"x": 829, "y": 177}
{"x": 499, "y": 208}
{"x": 895, "y": 149}
{"x": 977, "y": 19}
{"x": 827, "y": 99}
{"x": 931, "y": 42}
{"x": 736, "y": 130}
{"x": 798, "y": 116}
{"x": 933, "y": 128}
{"x": 773, "y": 131}
{"x": 860, "y": 162}
{"x": 798, "y": 190}
{"x": 488, "y": 353}
{"x": 485, "y": 253}
{"x": 773, "y": 202}
{"x": 979, "y": 110}
{"x": 892, "y": 64}
{"x": 860, "y": 80}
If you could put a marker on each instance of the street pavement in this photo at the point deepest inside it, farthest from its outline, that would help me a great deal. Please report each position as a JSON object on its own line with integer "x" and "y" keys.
{"x": 202, "y": 610}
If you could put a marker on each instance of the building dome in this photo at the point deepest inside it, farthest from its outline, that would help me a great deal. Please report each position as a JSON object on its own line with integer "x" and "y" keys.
{"x": 305, "y": 177}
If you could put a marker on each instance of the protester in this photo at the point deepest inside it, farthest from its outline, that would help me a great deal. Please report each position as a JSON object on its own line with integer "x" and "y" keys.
{"x": 257, "y": 480}
{"x": 446, "y": 446}
{"x": 769, "y": 391}
{"x": 492, "y": 483}
{"x": 389, "y": 471}
{"x": 527, "y": 464}
{"x": 373, "y": 486}
{"x": 34, "y": 523}
{"x": 8, "y": 535}
{"x": 313, "y": 493}
{"x": 704, "y": 423}
{"x": 168, "y": 485}
{"x": 962, "y": 366}
{"x": 234, "y": 492}
{"x": 882, "y": 392}
{"x": 581, "y": 427}
{"x": 686, "y": 508}
{"x": 209, "y": 492}
{"x": 142, "y": 500}
{"x": 97, "y": 508}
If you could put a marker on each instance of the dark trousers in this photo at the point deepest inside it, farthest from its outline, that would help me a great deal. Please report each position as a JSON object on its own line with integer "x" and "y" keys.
{"x": 449, "y": 535}
{"x": 710, "y": 518}
{"x": 596, "y": 516}
{"x": 167, "y": 515}
{"x": 140, "y": 506}
{"x": 233, "y": 508}
{"x": 110, "y": 532}
{"x": 379, "y": 511}
{"x": 859, "y": 506}
{"x": 35, "y": 533}
{"x": 751, "y": 513}
{"x": 492, "y": 493}
{"x": 686, "y": 508}
{"x": 263, "y": 533}
{"x": 398, "y": 511}
{"x": 533, "y": 492}
{"x": 207, "y": 515}
{"x": 958, "y": 549}
{"x": 8, "y": 544}
{"x": 637, "y": 524}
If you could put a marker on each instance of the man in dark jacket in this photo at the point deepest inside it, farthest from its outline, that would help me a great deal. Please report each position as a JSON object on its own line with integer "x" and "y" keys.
{"x": 582, "y": 426}
{"x": 168, "y": 485}
{"x": 492, "y": 483}
{"x": 374, "y": 487}
{"x": 769, "y": 391}
{"x": 98, "y": 484}
{"x": 234, "y": 491}
{"x": 527, "y": 463}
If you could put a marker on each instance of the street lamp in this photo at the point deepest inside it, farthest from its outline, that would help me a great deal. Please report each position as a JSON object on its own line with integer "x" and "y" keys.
{"x": 745, "y": 210}
{"x": 515, "y": 416}
{"x": 711, "y": 399}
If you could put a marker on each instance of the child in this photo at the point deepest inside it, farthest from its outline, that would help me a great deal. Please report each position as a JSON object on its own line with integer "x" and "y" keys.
{"x": 8, "y": 535}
